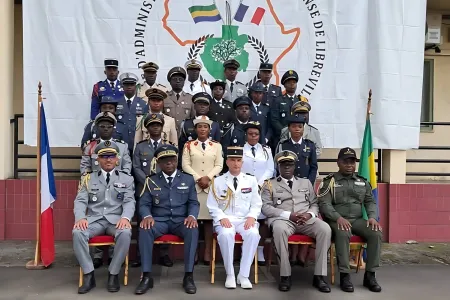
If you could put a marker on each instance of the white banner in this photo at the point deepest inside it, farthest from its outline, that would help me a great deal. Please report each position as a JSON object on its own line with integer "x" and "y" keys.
{"x": 340, "y": 49}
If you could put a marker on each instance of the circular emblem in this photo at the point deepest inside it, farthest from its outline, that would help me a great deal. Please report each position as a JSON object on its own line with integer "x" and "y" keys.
{"x": 96, "y": 163}
{"x": 279, "y": 202}
{"x": 144, "y": 163}
{"x": 235, "y": 141}
{"x": 120, "y": 117}
{"x": 94, "y": 135}
{"x": 182, "y": 102}
{"x": 105, "y": 114}
{"x": 168, "y": 110}
{"x": 102, "y": 88}
{"x": 155, "y": 90}
{"x": 107, "y": 143}
{"x": 190, "y": 138}
{"x": 259, "y": 112}
{"x": 94, "y": 198}
{"x": 283, "y": 115}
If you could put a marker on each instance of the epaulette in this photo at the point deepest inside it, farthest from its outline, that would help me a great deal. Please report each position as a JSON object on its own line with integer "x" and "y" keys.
{"x": 362, "y": 177}
{"x": 312, "y": 126}
{"x": 227, "y": 102}
{"x": 329, "y": 176}
{"x": 266, "y": 146}
{"x": 238, "y": 82}
{"x": 249, "y": 174}
{"x": 143, "y": 141}
{"x": 227, "y": 126}
{"x": 213, "y": 141}
{"x": 152, "y": 175}
{"x": 168, "y": 142}
{"x": 122, "y": 171}
{"x": 161, "y": 85}
{"x": 119, "y": 141}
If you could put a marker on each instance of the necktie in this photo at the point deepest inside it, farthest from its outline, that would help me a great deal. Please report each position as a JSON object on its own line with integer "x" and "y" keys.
{"x": 297, "y": 147}
{"x": 231, "y": 87}
{"x": 169, "y": 179}
{"x": 204, "y": 146}
{"x": 290, "y": 184}
{"x": 107, "y": 178}
{"x": 155, "y": 145}
{"x": 235, "y": 183}
{"x": 129, "y": 103}
{"x": 253, "y": 152}
{"x": 112, "y": 85}
{"x": 178, "y": 96}
{"x": 192, "y": 86}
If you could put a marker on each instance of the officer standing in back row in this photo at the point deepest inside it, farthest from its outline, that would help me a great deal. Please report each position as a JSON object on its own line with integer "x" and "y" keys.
{"x": 342, "y": 197}
{"x": 271, "y": 91}
{"x": 220, "y": 110}
{"x": 150, "y": 73}
{"x": 233, "y": 88}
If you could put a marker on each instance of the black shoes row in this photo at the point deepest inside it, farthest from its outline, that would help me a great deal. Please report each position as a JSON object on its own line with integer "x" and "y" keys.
{"x": 318, "y": 282}
{"x": 146, "y": 283}
{"x": 89, "y": 283}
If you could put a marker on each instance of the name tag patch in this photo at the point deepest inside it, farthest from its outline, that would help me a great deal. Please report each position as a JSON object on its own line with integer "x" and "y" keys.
{"x": 182, "y": 187}
{"x": 246, "y": 190}
{"x": 119, "y": 185}
{"x": 360, "y": 183}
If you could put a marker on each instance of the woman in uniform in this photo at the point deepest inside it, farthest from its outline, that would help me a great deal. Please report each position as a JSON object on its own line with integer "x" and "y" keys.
{"x": 258, "y": 161}
{"x": 202, "y": 158}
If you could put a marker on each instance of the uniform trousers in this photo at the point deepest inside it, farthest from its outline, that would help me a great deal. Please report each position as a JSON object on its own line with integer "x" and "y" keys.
{"x": 160, "y": 228}
{"x": 319, "y": 230}
{"x": 226, "y": 239}
{"x": 122, "y": 237}
{"x": 342, "y": 242}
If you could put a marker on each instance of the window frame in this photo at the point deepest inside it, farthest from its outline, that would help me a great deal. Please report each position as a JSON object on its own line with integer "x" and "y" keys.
{"x": 429, "y": 128}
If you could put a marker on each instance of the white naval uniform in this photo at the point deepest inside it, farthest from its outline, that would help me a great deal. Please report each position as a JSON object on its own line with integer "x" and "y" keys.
{"x": 245, "y": 202}
{"x": 198, "y": 87}
{"x": 261, "y": 165}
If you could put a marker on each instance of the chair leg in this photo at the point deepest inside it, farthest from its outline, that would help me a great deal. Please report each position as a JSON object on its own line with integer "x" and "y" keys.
{"x": 332, "y": 263}
{"x": 213, "y": 260}
{"x": 358, "y": 261}
{"x": 80, "y": 280}
{"x": 256, "y": 267}
{"x": 125, "y": 279}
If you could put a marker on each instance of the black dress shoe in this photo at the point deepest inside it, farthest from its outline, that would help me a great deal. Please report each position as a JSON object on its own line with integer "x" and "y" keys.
{"x": 135, "y": 264}
{"x": 320, "y": 283}
{"x": 285, "y": 283}
{"x": 188, "y": 284}
{"x": 346, "y": 284}
{"x": 113, "y": 283}
{"x": 165, "y": 261}
{"x": 371, "y": 283}
{"x": 88, "y": 283}
{"x": 145, "y": 284}
{"x": 98, "y": 262}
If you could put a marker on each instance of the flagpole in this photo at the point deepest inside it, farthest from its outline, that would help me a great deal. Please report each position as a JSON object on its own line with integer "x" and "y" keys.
{"x": 36, "y": 264}
{"x": 369, "y": 105}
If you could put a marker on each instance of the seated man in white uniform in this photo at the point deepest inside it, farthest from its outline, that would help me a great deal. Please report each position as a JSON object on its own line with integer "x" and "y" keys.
{"x": 235, "y": 204}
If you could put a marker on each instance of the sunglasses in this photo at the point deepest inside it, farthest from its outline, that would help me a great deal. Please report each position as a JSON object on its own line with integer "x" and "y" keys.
{"x": 108, "y": 156}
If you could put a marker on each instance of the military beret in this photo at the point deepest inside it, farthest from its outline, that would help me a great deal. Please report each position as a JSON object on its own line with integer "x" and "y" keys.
{"x": 296, "y": 119}
{"x": 201, "y": 97}
{"x": 128, "y": 78}
{"x": 108, "y": 100}
{"x": 202, "y": 120}
{"x": 212, "y": 85}
{"x": 150, "y": 66}
{"x": 235, "y": 151}
{"x": 265, "y": 67}
{"x": 166, "y": 151}
{"x": 291, "y": 74}
{"x": 176, "y": 71}
{"x": 155, "y": 93}
{"x": 193, "y": 64}
{"x": 231, "y": 63}
{"x": 347, "y": 152}
{"x": 285, "y": 156}
{"x": 242, "y": 100}
{"x": 105, "y": 116}
{"x": 252, "y": 124}
{"x": 111, "y": 62}
{"x": 107, "y": 148}
{"x": 153, "y": 118}
{"x": 257, "y": 87}
{"x": 301, "y": 106}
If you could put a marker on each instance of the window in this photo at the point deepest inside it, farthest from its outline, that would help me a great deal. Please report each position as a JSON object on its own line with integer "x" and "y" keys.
{"x": 427, "y": 94}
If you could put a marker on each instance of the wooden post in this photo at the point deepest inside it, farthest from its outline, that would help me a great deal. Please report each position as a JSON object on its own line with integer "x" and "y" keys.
{"x": 36, "y": 264}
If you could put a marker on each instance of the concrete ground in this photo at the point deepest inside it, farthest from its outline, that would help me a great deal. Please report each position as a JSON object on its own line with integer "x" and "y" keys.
{"x": 408, "y": 272}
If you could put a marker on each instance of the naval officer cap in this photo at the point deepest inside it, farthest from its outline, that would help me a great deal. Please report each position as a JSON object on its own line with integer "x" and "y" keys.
{"x": 193, "y": 64}
{"x": 128, "y": 78}
{"x": 252, "y": 124}
{"x": 153, "y": 118}
{"x": 242, "y": 100}
{"x": 296, "y": 119}
{"x": 155, "y": 94}
{"x": 257, "y": 87}
{"x": 150, "y": 67}
{"x": 302, "y": 106}
{"x": 202, "y": 120}
{"x": 107, "y": 148}
{"x": 166, "y": 151}
{"x": 347, "y": 152}
{"x": 111, "y": 62}
{"x": 105, "y": 116}
{"x": 108, "y": 100}
{"x": 221, "y": 83}
{"x": 235, "y": 152}
{"x": 285, "y": 156}
{"x": 202, "y": 97}
{"x": 231, "y": 63}
{"x": 291, "y": 74}
{"x": 266, "y": 66}
{"x": 176, "y": 71}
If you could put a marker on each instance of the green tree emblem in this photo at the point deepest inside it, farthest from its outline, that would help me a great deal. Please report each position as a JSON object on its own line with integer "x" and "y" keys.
{"x": 219, "y": 49}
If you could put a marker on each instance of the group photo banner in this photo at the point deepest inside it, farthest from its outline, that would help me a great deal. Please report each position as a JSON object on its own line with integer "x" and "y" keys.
{"x": 339, "y": 48}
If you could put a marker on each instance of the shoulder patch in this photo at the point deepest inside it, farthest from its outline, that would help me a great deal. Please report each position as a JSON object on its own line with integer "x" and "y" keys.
{"x": 329, "y": 176}
{"x": 249, "y": 174}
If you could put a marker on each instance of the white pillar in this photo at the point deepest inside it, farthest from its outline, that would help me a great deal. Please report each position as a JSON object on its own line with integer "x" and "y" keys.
{"x": 394, "y": 166}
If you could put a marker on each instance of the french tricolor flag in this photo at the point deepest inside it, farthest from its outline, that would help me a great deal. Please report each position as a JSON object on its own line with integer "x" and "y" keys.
{"x": 247, "y": 14}
{"x": 48, "y": 195}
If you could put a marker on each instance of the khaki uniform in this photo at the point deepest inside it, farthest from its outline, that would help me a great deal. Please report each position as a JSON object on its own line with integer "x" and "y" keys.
{"x": 199, "y": 163}
{"x": 179, "y": 109}
{"x": 142, "y": 87}
{"x": 169, "y": 130}
{"x": 279, "y": 201}
{"x": 344, "y": 196}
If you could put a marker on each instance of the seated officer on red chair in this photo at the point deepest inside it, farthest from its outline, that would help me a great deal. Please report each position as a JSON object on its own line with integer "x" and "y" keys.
{"x": 168, "y": 205}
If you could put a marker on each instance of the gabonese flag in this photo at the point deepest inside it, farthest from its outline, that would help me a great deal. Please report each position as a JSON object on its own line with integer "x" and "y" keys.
{"x": 48, "y": 195}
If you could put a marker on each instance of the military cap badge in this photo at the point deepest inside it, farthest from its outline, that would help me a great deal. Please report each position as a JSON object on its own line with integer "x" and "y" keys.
{"x": 291, "y": 72}
{"x": 107, "y": 143}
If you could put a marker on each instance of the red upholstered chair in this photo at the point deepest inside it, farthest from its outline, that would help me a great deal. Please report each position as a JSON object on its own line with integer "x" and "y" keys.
{"x": 169, "y": 239}
{"x": 104, "y": 240}
{"x": 237, "y": 240}
{"x": 295, "y": 239}
{"x": 355, "y": 241}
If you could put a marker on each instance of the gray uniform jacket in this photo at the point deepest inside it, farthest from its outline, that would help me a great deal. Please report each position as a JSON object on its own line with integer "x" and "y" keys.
{"x": 279, "y": 201}
{"x": 89, "y": 161}
{"x": 239, "y": 89}
{"x": 97, "y": 200}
